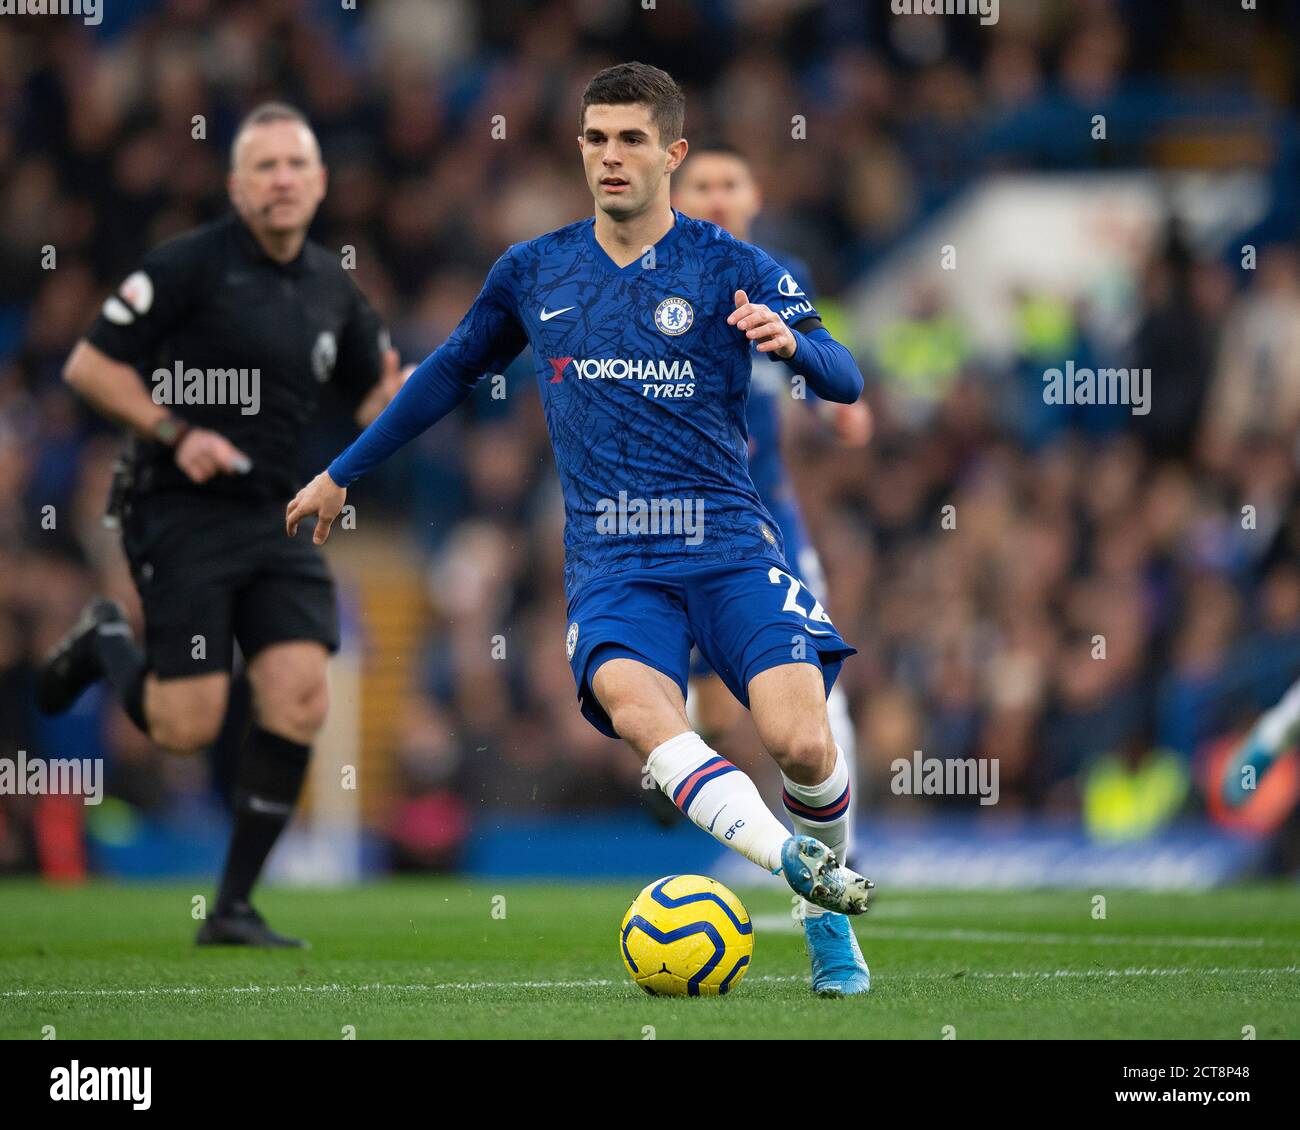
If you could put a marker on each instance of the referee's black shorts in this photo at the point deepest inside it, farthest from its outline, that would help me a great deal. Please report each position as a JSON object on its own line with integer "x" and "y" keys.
{"x": 213, "y": 569}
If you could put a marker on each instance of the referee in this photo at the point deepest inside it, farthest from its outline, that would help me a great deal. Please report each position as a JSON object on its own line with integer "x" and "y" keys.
{"x": 213, "y": 353}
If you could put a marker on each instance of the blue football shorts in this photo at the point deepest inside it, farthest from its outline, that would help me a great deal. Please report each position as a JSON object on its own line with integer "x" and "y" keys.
{"x": 743, "y": 616}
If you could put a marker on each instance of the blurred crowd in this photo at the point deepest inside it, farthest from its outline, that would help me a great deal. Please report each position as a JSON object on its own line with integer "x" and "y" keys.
{"x": 1088, "y": 595}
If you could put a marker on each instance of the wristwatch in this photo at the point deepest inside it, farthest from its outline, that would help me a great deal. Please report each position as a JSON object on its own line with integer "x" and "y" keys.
{"x": 170, "y": 430}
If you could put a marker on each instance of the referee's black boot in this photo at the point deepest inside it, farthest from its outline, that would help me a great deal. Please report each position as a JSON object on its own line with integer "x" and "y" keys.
{"x": 241, "y": 925}
{"x": 73, "y": 663}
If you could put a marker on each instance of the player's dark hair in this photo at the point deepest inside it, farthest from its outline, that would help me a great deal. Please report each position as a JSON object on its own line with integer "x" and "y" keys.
{"x": 628, "y": 83}
{"x": 718, "y": 148}
{"x": 264, "y": 114}
{"x": 716, "y": 145}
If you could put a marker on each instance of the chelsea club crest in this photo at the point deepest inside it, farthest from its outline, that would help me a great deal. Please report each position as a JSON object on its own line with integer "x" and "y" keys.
{"x": 571, "y": 640}
{"x": 674, "y": 316}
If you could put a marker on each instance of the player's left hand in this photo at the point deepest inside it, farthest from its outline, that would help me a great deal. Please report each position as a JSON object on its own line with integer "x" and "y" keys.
{"x": 763, "y": 326}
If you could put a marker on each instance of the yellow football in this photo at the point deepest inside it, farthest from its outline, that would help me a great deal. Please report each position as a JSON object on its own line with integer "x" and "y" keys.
{"x": 686, "y": 936}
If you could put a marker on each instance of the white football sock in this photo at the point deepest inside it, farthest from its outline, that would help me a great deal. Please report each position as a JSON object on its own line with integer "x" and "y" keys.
{"x": 719, "y": 798}
{"x": 822, "y": 811}
{"x": 1278, "y": 726}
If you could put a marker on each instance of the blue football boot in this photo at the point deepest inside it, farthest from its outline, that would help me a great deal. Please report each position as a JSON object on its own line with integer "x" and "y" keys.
{"x": 812, "y": 870}
{"x": 838, "y": 967}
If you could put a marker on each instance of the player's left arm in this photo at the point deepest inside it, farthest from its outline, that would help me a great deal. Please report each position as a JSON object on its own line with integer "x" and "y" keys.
{"x": 784, "y": 324}
{"x": 488, "y": 338}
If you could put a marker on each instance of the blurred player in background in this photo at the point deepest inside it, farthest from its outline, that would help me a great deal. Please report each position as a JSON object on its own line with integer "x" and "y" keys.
{"x": 1276, "y": 731}
{"x": 1274, "y": 734}
{"x": 715, "y": 183}
{"x": 214, "y": 354}
{"x": 642, "y": 326}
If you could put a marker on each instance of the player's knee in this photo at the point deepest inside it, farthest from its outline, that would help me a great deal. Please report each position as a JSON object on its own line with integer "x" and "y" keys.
{"x": 805, "y": 756}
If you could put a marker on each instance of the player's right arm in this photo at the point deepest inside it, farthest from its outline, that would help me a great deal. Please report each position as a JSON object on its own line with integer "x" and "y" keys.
{"x": 149, "y": 304}
{"x": 488, "y": 338}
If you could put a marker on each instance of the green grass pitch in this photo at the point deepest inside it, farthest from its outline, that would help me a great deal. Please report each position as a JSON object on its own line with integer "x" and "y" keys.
{"x": 436, "y": 958}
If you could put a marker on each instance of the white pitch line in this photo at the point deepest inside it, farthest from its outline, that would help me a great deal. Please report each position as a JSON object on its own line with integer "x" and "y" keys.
{"x": 933, "y": 934}
{"x": 921, "y": 933}
{"x": 1140, "y": 971}
{"x": 478, "y": 986}
{"x": 195, "y": 990}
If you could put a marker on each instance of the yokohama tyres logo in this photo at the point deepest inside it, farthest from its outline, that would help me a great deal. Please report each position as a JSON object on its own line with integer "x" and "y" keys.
{"x": 622, "y": 369}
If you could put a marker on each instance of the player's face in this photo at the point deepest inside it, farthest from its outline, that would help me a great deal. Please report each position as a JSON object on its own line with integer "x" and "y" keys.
{"x": 277, "y": 181}
{"x": 718, "y": 187}
{"x": 625, "y": 162}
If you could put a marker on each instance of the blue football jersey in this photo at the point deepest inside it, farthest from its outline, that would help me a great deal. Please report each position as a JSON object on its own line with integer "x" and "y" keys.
{"x": 644, "y": 387}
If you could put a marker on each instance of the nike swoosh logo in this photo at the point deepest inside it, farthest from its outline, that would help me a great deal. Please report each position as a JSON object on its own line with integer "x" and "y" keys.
{"x": 814, "y": 631}
{"x": 715, "y": 817}
{"x": 546, "y": 315}
{"x": 269, "y": 807}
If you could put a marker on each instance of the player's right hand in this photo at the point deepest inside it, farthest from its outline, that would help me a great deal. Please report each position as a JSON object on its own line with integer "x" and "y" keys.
{"x": 322, "y": 497}
{"x": 201, "y": 454}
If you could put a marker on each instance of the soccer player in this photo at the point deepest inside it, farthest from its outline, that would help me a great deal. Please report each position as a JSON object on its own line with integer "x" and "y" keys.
{"x": 213, "y": 354}
{"x": 641, "y": 322}
{"x": 1273, "y": 734}
{"x": 715, "y": 183}
{"x": 1276, "y": 731}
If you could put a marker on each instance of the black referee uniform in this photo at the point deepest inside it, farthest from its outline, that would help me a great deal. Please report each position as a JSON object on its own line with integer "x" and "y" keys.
{"x": 235, "y": 342}
{"x": 212, "y": 558}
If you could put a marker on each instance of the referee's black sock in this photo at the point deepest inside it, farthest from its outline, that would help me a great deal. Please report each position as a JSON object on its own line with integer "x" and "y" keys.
{"x": 123, "y": 662}
{"x": 270, "y": 778}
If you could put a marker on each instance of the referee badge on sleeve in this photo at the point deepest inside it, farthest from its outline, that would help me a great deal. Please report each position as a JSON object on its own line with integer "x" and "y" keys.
{"x": 133, "y": 298}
